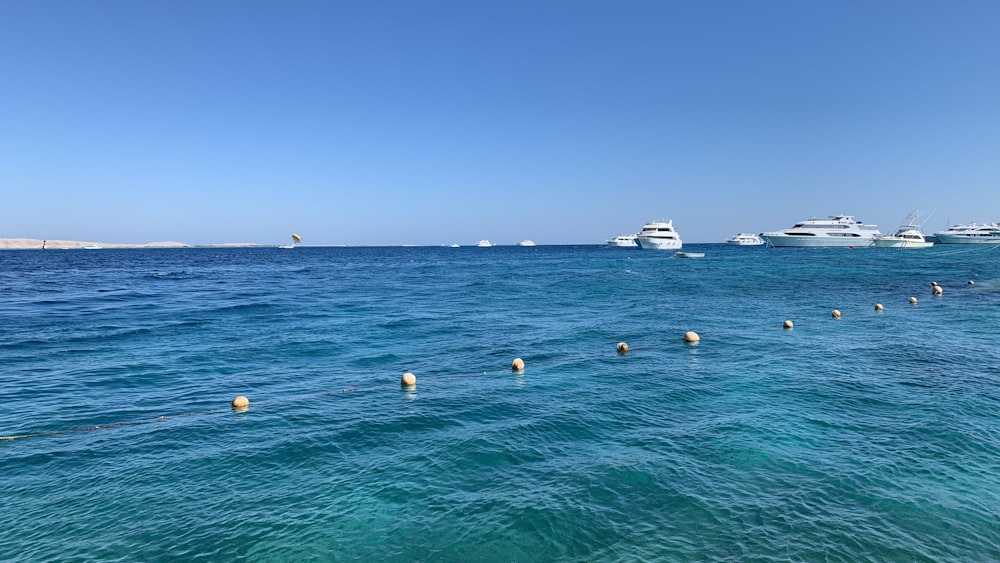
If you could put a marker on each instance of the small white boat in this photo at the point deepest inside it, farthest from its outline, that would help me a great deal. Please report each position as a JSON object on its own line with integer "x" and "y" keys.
{"x": 484, "y": 244}
{"x": 745, "y": 239}
{"x": 623, "y": 241}
{"x": 286, "y": 246}
{"x": 689, "y": 254}
{"x": 454, "y": 246}
{"x": 659, "y": 235}
{"x": 526, "y": 242}
{"x": 907, "y": 236}
{"x": 91, "y": 247}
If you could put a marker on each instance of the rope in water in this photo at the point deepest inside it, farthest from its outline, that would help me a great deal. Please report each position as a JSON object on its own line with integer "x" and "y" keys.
{"x": 346, "y": 390}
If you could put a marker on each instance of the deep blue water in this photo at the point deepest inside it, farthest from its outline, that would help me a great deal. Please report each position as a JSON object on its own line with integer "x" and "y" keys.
{"x": 875, "y": 436}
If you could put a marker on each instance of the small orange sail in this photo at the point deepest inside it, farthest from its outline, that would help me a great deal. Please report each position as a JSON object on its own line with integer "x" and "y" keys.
{"x": 296, "y": 238}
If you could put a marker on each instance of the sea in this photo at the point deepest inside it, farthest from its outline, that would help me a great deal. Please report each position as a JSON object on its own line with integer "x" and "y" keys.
{"x": 874, "y": 436}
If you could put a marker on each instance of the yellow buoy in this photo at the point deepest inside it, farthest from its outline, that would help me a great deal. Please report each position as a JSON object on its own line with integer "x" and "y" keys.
{"x": 878, "y": 306}
{"x": 913, "y": 300}
{"x": 408, "y": 380}
{"x": 691, "y": 336}
{"x": 836, "y": 314}
{"x": 622, "y": 348}
{"x": 241, "y": 403}
{"x": 789, "y": 324}
{"x": 517, "y": 364}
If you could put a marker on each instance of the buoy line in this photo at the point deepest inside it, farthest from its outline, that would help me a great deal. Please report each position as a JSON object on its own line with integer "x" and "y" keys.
{"x": 242, "y": 404}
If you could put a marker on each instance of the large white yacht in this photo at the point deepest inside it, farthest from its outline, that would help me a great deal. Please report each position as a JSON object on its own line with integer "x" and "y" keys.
{"x": 970, "y": 233}
{"x": 623, "y": 241}
{"x": 484, "y": 244}
{"x": 745, "y": 239}
{"x": 659, "y": 235}
{"x": 907, "y": 236}
{"x": 838, "y": 230}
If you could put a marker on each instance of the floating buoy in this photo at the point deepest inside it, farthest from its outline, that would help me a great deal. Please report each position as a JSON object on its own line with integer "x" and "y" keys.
{"x": 622, "y": 348}
{"x": 517, "y": 364}
{"x": 691, "y": 336}
{"x": 972, "y": 282}
{"x": 836, "y": 314}
{"x": 933, "y": 284}
{"x": 878, "y": 306}
{"x": 408, "y": 380}
{"x": 241, "y": 403}
{"x": 913, "y": 300}
{"x": 937, "y": 290}
{"x": 788, "y": 324}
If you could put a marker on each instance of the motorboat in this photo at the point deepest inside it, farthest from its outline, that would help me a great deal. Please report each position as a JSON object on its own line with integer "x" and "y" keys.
{"x": 526, "y": 242}
{"x": 689, "y": 254}
{"x": 745, "y": 239}
{"x": 907, "y": 236}
{"x": 970, "y": 233}
{"x": 838, "y": 231}
{"x": 659, "y": 235}
{"x": 623, "y": 241}
{"x": 91, "y": 247}
{"x": 484, "y": 244}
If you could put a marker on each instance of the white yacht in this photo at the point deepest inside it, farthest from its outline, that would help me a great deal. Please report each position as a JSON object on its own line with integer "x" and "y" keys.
{"x": 623, "y": 241}
{"x": 484, "y": 244}
{"x": 970, "y": 233}
{"x": 659, "y": 235}
{"x": 526, "y": 242}
{"x": 838, "y": 230}
{"x": 745, "y": 239}
{"x": 907, "y": 236}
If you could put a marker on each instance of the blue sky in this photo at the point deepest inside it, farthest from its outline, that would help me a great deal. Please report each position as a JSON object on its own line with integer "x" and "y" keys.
{"x": 439, "y": 122}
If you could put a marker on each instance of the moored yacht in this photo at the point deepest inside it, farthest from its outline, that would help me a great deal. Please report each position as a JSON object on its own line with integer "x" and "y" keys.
{"x": 484, "y": 244}
{"x": 838, "y": 230}
{"x": 970, "y": 233}
{"x": 623, "y": 241}
{"x": 745, "y": 239}
{"x": 526, "y": 242}
{"x": 659, "y": 235}
{"x": 907, "y": 236}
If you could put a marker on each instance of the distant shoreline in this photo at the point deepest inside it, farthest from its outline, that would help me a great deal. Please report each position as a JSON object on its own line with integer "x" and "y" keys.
{"x": 40, "y": 244}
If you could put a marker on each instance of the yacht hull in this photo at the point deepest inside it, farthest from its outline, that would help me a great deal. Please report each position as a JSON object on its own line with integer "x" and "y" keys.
{"x": 959, "y": 239}
{"x": 654, "y": 243}
{"x": 889, "y": 243}
{"x": 783, "y": 240}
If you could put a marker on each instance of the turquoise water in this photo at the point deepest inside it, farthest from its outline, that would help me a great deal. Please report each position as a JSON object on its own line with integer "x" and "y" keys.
{"x": 875, "y": 436}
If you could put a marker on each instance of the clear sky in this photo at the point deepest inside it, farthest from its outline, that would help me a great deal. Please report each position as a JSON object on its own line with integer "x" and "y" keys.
{"x": 439, "y": 122}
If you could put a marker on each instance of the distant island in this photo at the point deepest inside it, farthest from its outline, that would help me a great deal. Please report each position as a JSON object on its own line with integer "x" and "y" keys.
{"x": 40, "y": 244}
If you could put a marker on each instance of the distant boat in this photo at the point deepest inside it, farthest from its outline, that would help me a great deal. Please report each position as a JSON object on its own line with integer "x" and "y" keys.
{"x": 484, "y": 244}
{"x": 526, "y": 242}
{"x": 454, "y": 246}
{"x": 623, "y": 241}
{"x": 970, "y": 233}
{"x": 91, "y": 247}
{"x": 745, "y": 239}
{"x": 907, "y": 236}
{"x": 689, "y": 254}
{"x": 295, "y": 240}
{"x": 659, "y": 235}
{"x": 839, "y": 230}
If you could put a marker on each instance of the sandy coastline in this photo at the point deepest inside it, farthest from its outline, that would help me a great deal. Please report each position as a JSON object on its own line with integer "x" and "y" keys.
{"x": 39, "y": 244}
